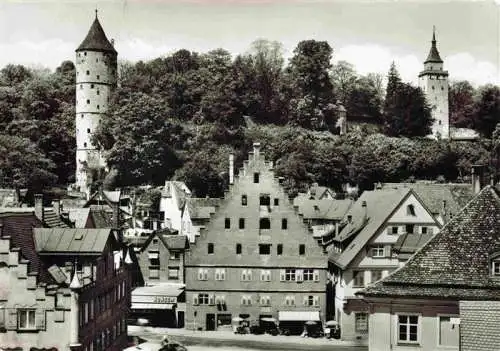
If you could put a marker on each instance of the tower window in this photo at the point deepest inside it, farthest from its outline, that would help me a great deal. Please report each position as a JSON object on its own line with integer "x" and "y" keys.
{"x": 98, "y": 92}
{"x": 98, "y": 77}
{"x": 433, "y": 87}
{"x": 91, "y": 85}
{"x": 85, "y": 53}
{"x": 88, "y": 72}
{"x": 81, "y": 86}
{"x": 96, "y": 60}
{"x": 88, "y": 130}
{"x": 82, "y": 115}
{"x": 88, "y": 101}
{"x": 442, "y": 88}
{"x": 98, "y": 107}
{"x": 84, "y": 144}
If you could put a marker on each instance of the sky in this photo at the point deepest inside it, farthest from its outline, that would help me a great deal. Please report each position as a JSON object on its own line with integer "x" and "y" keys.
{"x": 370, "y": 34}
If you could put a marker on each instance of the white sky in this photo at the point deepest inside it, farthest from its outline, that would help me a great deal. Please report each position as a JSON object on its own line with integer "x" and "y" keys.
{"x": 369, "y": 34}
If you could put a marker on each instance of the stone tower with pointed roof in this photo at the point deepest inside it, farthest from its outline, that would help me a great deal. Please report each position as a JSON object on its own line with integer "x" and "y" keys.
{"x": 96, "y": 76}
{"x": 433, "y": 80}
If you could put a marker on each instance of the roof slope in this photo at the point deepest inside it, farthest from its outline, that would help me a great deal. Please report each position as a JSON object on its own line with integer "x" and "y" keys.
{"x": 201, "y": 208}
{"x": 455, "y": 262}
{"x": 324, "y": 208}
{"x": 456, "y": 196}
{"x": 71, "y": 240}
{"x": 434, "y": 53}
{"x": 380, "y": 205}
{"x": 96, "y": 39}
{"x": 79, "y": 216}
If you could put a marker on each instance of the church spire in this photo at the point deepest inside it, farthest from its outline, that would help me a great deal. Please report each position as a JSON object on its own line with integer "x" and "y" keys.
{"x": 434, "y": 53}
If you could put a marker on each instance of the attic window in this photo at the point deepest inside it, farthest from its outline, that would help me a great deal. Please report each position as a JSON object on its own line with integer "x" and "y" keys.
{"x": 79, "y": 236}
{"x": 410, "y": 210}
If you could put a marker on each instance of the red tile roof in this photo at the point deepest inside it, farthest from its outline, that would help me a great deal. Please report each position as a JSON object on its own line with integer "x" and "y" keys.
{"x": 455, "y": 263}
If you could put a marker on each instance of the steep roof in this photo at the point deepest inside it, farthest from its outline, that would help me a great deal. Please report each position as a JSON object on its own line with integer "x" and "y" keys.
{"x": 169, "y": 238}
{"x": 201, "y": 208}
{"x": 19, "y": 226}
{"x": 96, "y": 39}
{"x": 380, "y": 205}
{"x": 71, "y": 241}
{"x": 180, "y": 189}
{"x": 455, "y": 263}
{"x": 324, "y": 208}
{"x": 50, "y": 217}
{"x": 79, "y": 216}
{"x": 101, "y": 217}
{"x": 433, "y": 53}
{"x": 445, "y": 199}
{"x": 408, "y": 243}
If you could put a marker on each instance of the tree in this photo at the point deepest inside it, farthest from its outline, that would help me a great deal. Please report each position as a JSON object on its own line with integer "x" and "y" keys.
{"x": 312, "y": 98}
{"x": 488, "y": 110}
{"x": 365, "y": 98}
{"x": 393, "y": 81}
{"x": 344, "y": 79}
{"x": 407, "y": 113}
{"x": 461, "y": 98}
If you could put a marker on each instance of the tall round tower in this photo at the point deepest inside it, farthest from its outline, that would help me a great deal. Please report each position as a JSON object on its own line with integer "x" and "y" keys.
{"x": 434, "y": 82}
{"x": 96, "y": 75}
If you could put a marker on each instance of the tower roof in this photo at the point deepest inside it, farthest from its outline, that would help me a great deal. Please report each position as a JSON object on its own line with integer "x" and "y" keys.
{"x": 96, "y": 39}
{"x": 434, "y": 53}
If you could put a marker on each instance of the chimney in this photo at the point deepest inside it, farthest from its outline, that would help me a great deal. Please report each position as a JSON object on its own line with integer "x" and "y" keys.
{"x": 116, "y": 216}
{"x": 256, "y": 150}
{"x": 444, "y": 207}
{"x": 39, "y": 206}
{"x": 231, "y": 169}
{"x": 476, "y": 179}
{"x": 365, "y": 210}
{"x": 112, "y": 42}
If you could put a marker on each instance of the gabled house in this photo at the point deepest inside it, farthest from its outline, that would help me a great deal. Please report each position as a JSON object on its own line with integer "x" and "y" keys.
{"x": 256, "y": 258}
{"x": 173, "y": 200}
{"x": 162, "y": 299}
{"x": 196, "y": 215}
{"x": 62, "y": 287}
{"x": 363, "y": 251}
{"x": 447, "y": 295}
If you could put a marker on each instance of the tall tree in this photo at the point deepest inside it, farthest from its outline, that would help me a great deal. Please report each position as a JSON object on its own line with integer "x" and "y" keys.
{"x": 461, "y": 98}
{"x": 344, "y": 79}
{"x": 488, "y": 110}
{"x": 393, "y": 81}
{"x": 312, "y": 100}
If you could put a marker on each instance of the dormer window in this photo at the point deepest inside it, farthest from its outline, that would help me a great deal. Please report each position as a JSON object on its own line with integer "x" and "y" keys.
{"x": 410, "y": 210}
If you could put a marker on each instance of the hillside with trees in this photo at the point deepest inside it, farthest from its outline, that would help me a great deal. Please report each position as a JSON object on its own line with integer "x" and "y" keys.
{"x": 180, "y": 116}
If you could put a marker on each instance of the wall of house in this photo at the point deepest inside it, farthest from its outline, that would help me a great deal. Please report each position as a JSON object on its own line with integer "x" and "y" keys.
{"x": 383, "y": 324}
{"x": 157, "y": 246}
{"x": 169, "y": 206}
{"x": 225, "y": 240}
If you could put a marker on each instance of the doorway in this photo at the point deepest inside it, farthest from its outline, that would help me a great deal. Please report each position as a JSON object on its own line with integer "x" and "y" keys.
{"x": 210, "y": 321}
{"x": 180, "y": 319}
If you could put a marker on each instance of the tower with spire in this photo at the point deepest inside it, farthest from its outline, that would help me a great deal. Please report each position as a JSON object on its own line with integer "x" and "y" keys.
{"x": 96, "y": 78}
{"x": 433, "y": 80}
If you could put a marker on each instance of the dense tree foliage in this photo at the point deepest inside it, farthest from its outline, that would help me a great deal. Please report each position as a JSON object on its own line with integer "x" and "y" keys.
{"x": 181, "y": 115}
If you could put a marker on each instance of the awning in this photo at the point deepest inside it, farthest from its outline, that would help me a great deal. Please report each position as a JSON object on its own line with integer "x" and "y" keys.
{"x": 151, "y": 306}
{"x": 298, "y": 316}
{"x": 153, "y": 255}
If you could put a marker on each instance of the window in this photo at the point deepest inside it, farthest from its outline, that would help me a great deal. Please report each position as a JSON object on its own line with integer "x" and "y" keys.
{"x": 88, "y": 72}
{"x": 410, "y": 228}
{"x": 276, "y": 202}
{"x": 394, "y": 230}
{"x": 238, "y": 249}
{"x": 88, "y": 101}
{"x": 227, "y": 223}
{"x": 175, "y": 255}
{"x": 264, "y": 249}
{"x": 302, "y": 249}
{"x": 210, "y": 248}
{"x": 256, "y": 177}
{"x": 448, "y": 331}
{"x": 88, "y": 130}
{"x": 154, "y": 273}
{"x": 284, "y": 223}
{"x": 265, "y": 200}
{"x": 424, "y": 230}
{"x": 173, "y": 273}
{"x": 495, "y": 268}
{"x": 202, "y": 274}
{"x": 246, "y": 300}
{"x": 358, "y": 279}
{"x": 155, "y": 241}
{"x": 290, "y": 300}
{"x": 98, "y": 92}
{"x": 377, "y": 251}
{"x": 265, "y": 300}
{"x": 264, "y": 223}
{"x": 85, "y": 53}
{"x": 410, "y": 210}
{"x": 98, "y": 77}
{"x": 308, "y": 274}
{"x": 81, "y": 86}
{"x": 265, "y": 275}
{"x": 26, "y": 319}
{"x": 203, "y": 299}
{"x": 98, "y": 107}
{"x": 279, "y": 249}
{"x": 84, "y": 144}
{"x": 361, "y": 322}
{"x": 244, "y": 200}
{"x": 290, "y": 274}
{"x": 242, "y": 223}
{"x": 91, "y": 86}
{"x": 246, "y": 275}
{"x": 408, "y": 328}
{"x": 220, "y": 274}
{"x": 309, "y": 300}
{"x": 376, "y": 276}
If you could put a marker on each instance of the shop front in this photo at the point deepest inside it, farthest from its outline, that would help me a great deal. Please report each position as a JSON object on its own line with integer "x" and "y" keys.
{"x": 160, "y": 305}
{"x": 293, "y": 322}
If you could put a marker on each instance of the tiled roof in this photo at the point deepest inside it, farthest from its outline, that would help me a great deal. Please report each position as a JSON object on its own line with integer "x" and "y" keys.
{"x": 455, "y": 263}
{"x": 101, "y": 217}
{"x": 50, "y": 218}
{"x": 176, "y": 242}
{"x": 201, "y": 208}
{"x": 434, "y": 195}
{"x": 379, "y": 206}
{"x": 408, "y": 243}
{"x": 79, "y": 216}
{"x": 324, "y": 209}
{"x": 71, "y": 240}
{"x": 96, "y": 39}
{"x": 479, "y": 322}
{"x": 19, "y": 226}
